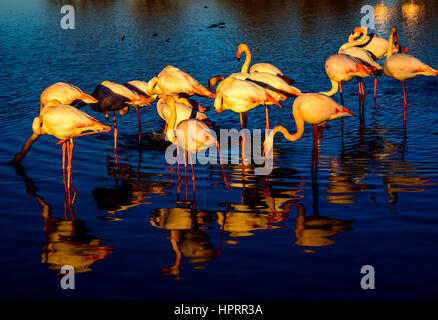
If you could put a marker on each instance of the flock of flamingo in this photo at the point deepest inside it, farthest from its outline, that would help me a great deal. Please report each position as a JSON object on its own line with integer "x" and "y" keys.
{"x": 262, "y": 84}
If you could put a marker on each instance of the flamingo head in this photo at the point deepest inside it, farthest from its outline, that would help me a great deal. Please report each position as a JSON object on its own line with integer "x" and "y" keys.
{"x": 241, "y": 48}
{"x": 341, "y": 111}
{"x": 88, "y": 99}
{"x": 37, "y": 126}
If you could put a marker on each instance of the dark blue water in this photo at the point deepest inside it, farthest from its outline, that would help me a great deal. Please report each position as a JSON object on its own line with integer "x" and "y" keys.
{"x": 374, "y": 202}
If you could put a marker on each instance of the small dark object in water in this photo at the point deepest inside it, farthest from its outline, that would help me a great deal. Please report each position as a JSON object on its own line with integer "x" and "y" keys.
{"x": 123, "y": 37}
{"x": 167, "y": 40}
{"x": 155, "y": 34}
{"x": 221, "y": 27}
{"x": 205, "y": 7}
{"x": 221, "y": 23}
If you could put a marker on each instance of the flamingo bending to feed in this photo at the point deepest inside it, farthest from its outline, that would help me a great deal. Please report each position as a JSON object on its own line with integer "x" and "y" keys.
{"x": 377, "y": 46}
{"x": 259, "y": 67}
{"x": 240, "y": 96}
{"x": 365, "y": 57}
{"x": 343, "y": 67}
{"x": 192, "y": 136}
{"x": 65, "y": 93}
{"x": 184, "y": 111}
{"x": 403, "y": 66}
{"x": 312, "y": 108}
{"x": 116, "y": 97}
{"x": 65, "y": 123}
{"x": 174, "y": 80}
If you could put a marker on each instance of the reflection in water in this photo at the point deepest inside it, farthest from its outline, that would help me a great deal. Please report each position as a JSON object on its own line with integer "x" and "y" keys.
{"x": 132, "y": 188}
{"x": 67, "y": 241}
{"x": 186, "y": 237}
{"x": 369, "y": 153}
{"x": 313, "y": 231}
{"x": 384, "y": 17}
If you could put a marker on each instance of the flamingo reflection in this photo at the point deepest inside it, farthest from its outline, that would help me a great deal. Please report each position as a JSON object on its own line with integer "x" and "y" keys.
{"x": 67, "y": 241}
{"x": 187, "y": 239}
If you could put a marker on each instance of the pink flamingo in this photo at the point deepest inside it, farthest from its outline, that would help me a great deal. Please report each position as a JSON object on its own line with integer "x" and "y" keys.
{"x": 404, "y": 66}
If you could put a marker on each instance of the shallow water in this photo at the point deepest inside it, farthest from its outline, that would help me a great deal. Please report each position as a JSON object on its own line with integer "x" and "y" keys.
{"x": 288, "y": 237}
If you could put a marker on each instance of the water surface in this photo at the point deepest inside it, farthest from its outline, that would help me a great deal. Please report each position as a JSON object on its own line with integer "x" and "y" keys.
{"x": 285, "y": 237}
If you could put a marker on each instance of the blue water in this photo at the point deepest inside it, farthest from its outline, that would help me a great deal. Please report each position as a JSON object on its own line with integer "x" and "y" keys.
{"x": 374, "y": 202}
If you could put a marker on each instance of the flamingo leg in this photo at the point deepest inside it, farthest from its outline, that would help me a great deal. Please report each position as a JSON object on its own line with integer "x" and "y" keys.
{"x": 193, "y": 172}
{"x": 222, "y": 167}
{"x": 267, "y": 117}
{"x": 340, "y": 93}
{"x": 115, "y": 138}
{"x": 139, "y": 125}
{"x": 63, "y": 179}
{"x": 185, "y": 173}
{"x": 177, "y": 170}
{"x": 405, "y": 101}
{"x": 375, "y": 88}
{"x": 165, "y": 129}
{"x": 242, "y": 115}
{"x": 69, "y": 155}
{"x": 185, "y": 167}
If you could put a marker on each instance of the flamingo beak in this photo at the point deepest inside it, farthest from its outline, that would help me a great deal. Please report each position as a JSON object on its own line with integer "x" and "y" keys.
{"x": 345, "y": 110}
{"x": 238, "y": 55}
{"x": 89, "y": 99}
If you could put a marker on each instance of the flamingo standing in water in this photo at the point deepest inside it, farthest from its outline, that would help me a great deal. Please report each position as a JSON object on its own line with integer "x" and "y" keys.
{"x": 184, "y": 111}
{"x": 174, "y": 80}
{"x": 259, "y": 67}
{"x": 312, "y": 108}
{"x": 278, "y": 86}
{"x": 376, "y": 46}
{"x": 365, "y": 57}
{"x": 116, "y": 97}
{"x": 343, "y": 67}
{"x": 240, "y": 96}
{"x": 192, "y": 135}
{"x": 65, "y": 123}
{"x": 404, "y": 66}
{"x": 65, "y": 93}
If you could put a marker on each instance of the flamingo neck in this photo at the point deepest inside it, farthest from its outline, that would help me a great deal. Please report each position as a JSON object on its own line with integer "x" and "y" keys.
{"x": 170, "y": 101}
{"x": 363, "y": 38}
{"x": 335, "y": 88}
{"x": 245, "y": 66}
{"x": 219, "y": 103}
{"x": 19, "y": 156}
{"x": 269, "y": 141}
{"x": 390, "y": 43}
{"x": 212, "y": 82}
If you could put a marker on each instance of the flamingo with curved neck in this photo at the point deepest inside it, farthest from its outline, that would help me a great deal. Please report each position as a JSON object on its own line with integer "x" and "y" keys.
{"x": 312, "y": 108}
{"x": 259, "y": 67}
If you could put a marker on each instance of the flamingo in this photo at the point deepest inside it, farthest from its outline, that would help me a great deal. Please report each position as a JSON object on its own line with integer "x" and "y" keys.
{"x": 259, "y": 67}
{"x": 174, "y": 80}
{"x": 184, "y": 111}
{"x": 365, "y": 57}
{"x": 403, "y": 66}
{"x": 116, "y": 97}
{"x": 312, "y": 108}
{"x": 276, "y": 85}
{"x": 341, "y": 68}
{"x": 65, "y": 123}
{"x": 65, "y": 93}
{"x": 192, "y": 136}
{"x": 240, "y": 96}
{"x": 377, "y": 46}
